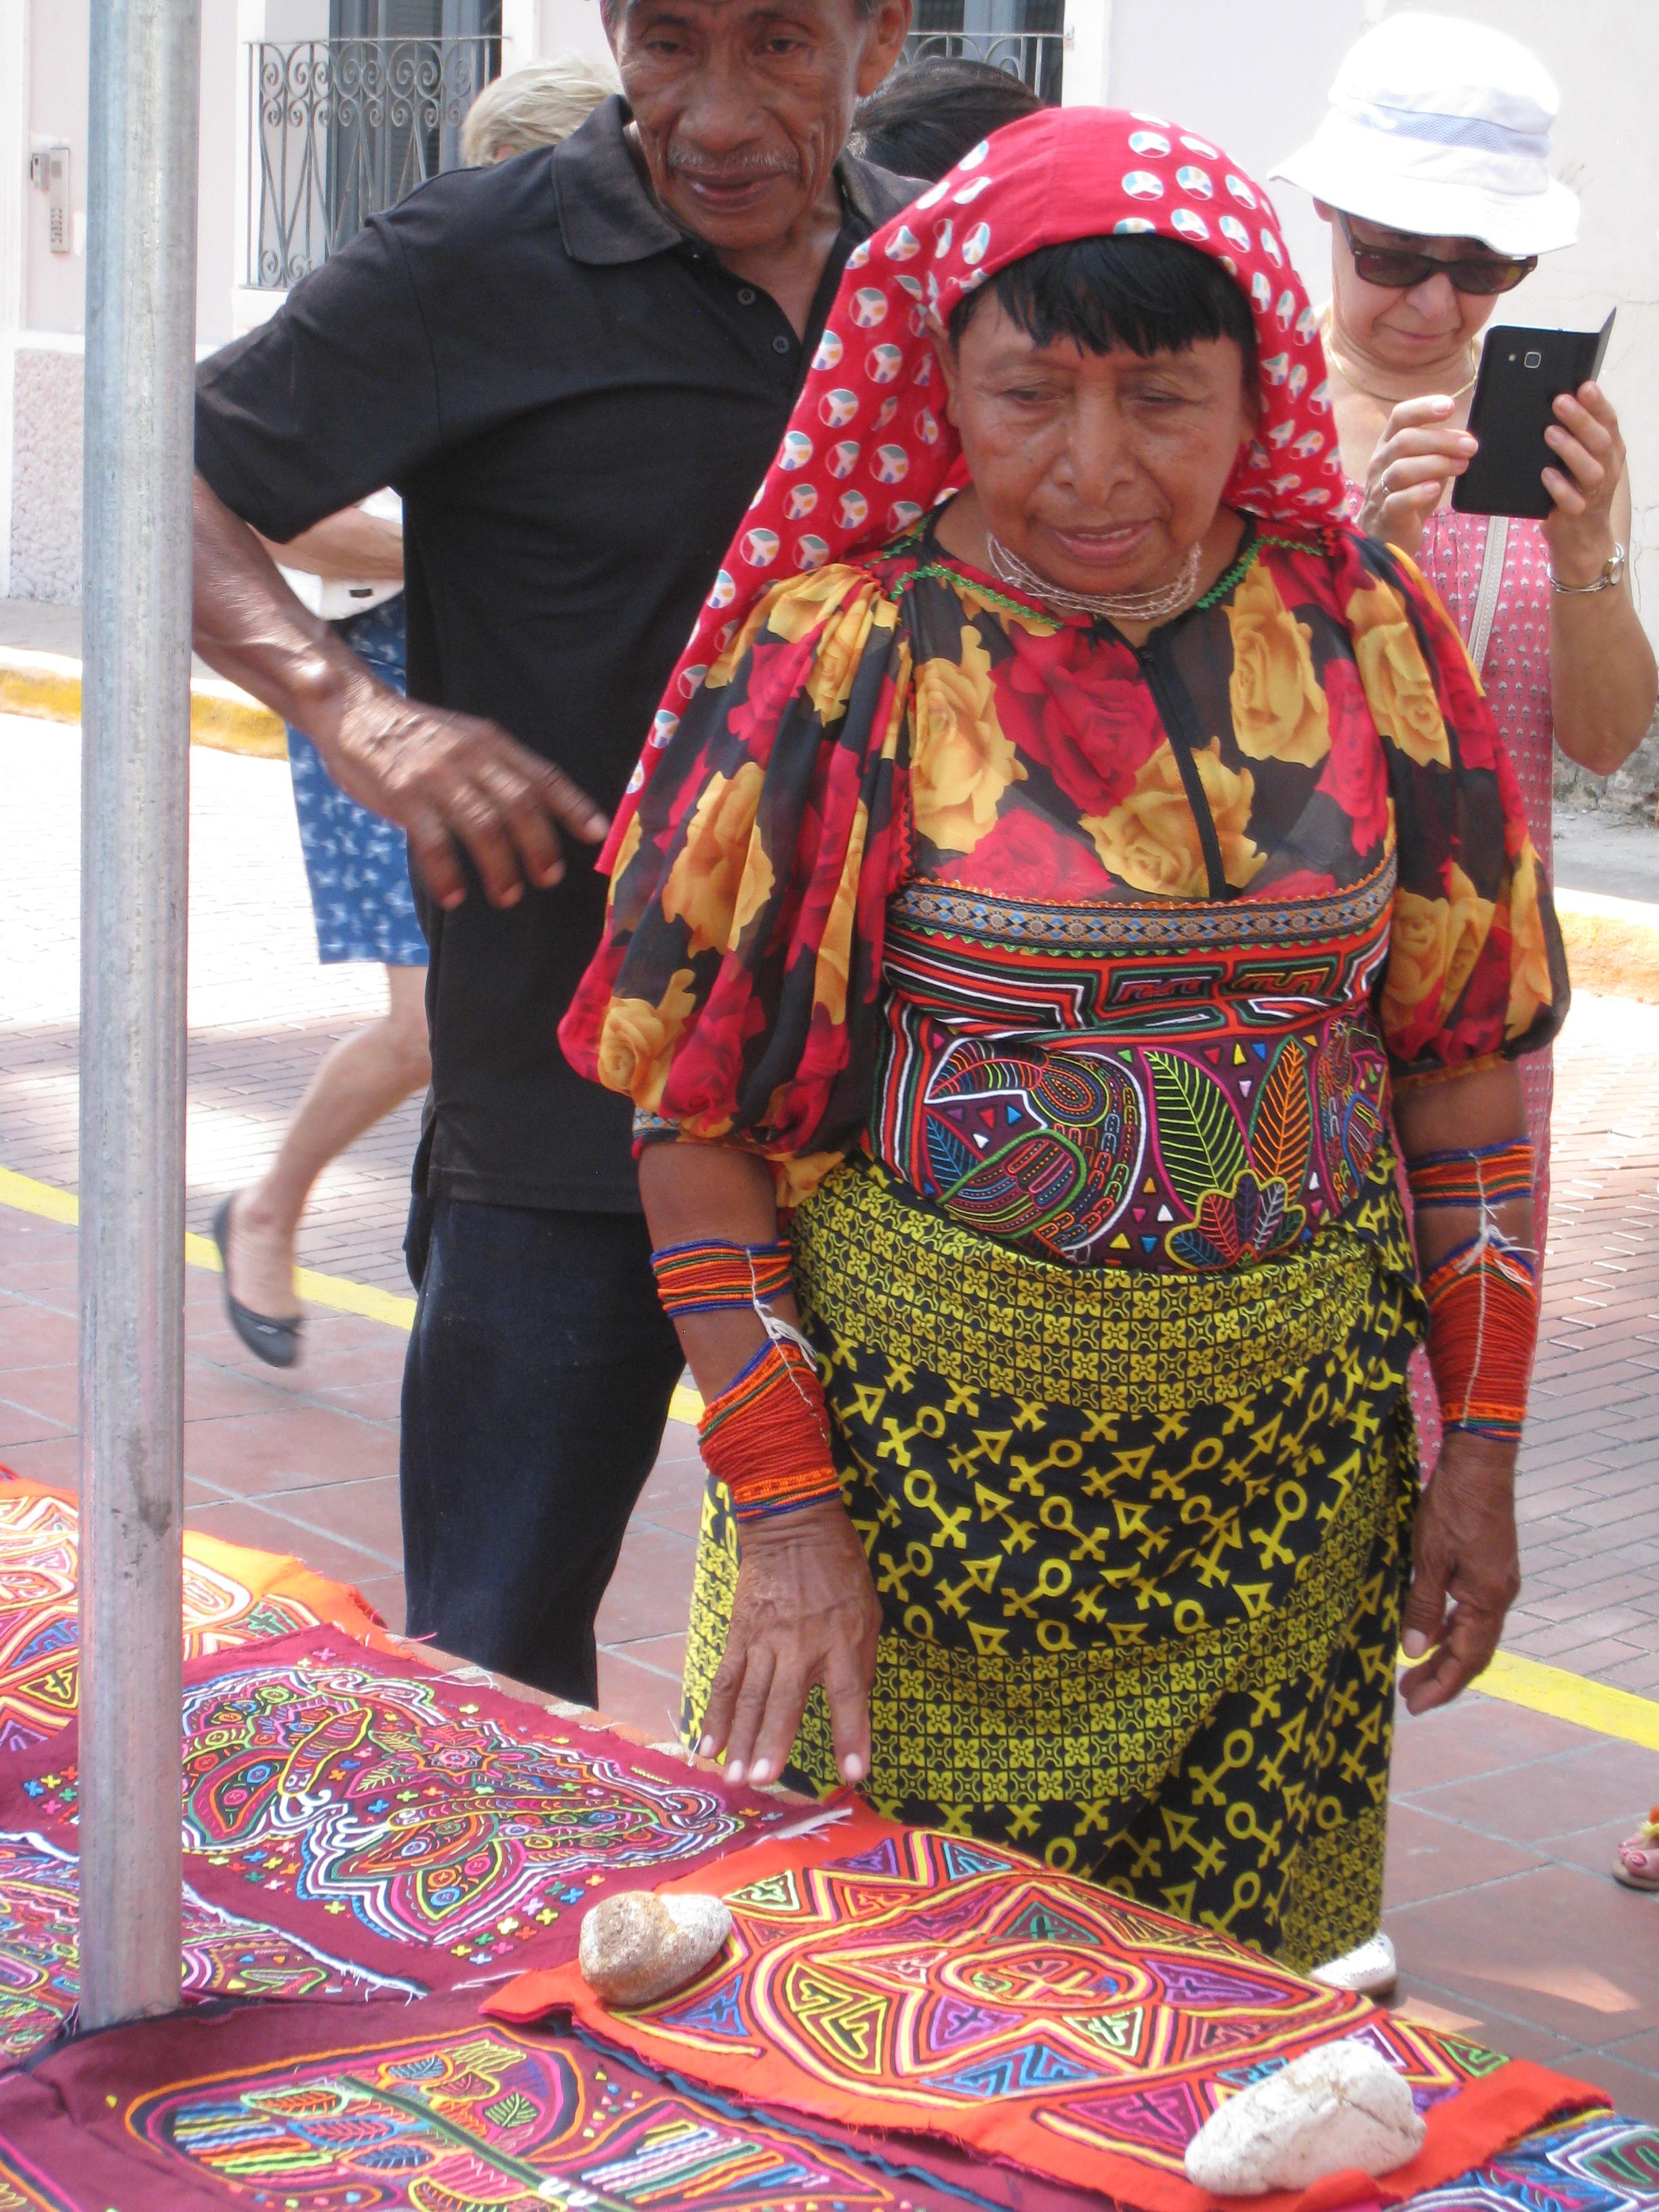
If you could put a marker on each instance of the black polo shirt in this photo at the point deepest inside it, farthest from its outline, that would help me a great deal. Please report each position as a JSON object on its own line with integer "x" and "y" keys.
{"x": 576, "y": 402}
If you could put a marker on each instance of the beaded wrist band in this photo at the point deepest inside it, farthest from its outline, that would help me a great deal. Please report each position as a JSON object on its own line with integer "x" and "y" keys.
{"x": 767, "y": 1436}
{"x": 1478, "y": 1180}
{"x": 1483, "y": 1326}
{"x": 712, "y": 1277}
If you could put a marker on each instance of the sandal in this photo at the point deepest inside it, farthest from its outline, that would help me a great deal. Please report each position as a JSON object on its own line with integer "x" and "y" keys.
{"x": 272, "y": 1339}
{"x": 1637, "y": 1863}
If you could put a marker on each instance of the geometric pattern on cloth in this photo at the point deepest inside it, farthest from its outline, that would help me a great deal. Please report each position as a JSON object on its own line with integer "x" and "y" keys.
{"x": 223, "y": 1956}
{"x": 482, "y": 2121}
{"x": 232, "y": 1596}
{"x": 930, "y": 1983}
{"x": 372, "y": 1802}
{"x": 1601, "y": 2164}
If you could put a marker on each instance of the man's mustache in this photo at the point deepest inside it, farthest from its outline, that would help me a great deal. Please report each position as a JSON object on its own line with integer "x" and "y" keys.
{"x": 682, "y": 163}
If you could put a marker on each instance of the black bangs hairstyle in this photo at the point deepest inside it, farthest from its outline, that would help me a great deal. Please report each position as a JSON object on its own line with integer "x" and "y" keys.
{"x": 1150, "y": 294}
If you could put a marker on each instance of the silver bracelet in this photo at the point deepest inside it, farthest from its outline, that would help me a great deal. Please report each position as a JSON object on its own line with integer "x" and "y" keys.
{"x": 1609, "y": 580}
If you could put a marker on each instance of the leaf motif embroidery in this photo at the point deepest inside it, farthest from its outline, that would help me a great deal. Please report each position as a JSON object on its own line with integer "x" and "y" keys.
{"x": 1198, "y": 1132}
{"x": 1281, "y": 1128}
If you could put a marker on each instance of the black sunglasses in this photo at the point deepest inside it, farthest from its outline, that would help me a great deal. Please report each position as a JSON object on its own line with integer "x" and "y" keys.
{"x": 1395, "y": 270}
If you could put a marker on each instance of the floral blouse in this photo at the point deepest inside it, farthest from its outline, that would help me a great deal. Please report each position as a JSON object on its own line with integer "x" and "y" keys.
{"x": 1109, "y": 953}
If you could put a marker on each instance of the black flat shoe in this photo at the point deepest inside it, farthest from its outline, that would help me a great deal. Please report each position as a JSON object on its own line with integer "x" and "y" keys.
{"x": 276, "y": 1342}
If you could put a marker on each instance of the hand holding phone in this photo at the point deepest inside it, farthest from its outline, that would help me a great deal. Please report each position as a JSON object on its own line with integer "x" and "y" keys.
{"x": 1523, "y": 371}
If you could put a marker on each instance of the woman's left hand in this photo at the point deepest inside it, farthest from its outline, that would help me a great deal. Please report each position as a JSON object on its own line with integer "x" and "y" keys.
{"x": 1466, "y": 1570}
{"x": 1584, "y": 438}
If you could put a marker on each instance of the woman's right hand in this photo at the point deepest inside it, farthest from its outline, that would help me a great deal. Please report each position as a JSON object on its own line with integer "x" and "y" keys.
{"x": 805, "y": 1613}
{"x": 1420, "y": 451}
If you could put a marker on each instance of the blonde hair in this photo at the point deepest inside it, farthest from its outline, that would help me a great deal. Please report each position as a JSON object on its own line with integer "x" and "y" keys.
{"x": 540, "y": 105}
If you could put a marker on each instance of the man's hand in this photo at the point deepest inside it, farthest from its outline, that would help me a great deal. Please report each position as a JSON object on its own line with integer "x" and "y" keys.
{"x": 449, "y": 779}
{"x": 1419, "y": 451}
{"x": 1466, "y": 1570}
{"x": 805, "y": 1613}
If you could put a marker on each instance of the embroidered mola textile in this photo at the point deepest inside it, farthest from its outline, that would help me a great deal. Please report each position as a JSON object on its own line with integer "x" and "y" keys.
{"x": 223, "y": 1956}
{"x": 927, "y": 1982}
{"x": 308, "y": 2109}
{"x": 412, "y": 1822}
{"x": 232, "y": 1596}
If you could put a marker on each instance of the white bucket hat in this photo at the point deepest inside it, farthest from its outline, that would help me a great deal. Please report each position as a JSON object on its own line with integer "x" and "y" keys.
{"x": 1441, "y": 128}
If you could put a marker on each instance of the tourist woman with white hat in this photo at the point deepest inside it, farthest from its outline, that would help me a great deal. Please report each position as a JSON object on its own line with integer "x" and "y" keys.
{"x": 1431, "y": 166}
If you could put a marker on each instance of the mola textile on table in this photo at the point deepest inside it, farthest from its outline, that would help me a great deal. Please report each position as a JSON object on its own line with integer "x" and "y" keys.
{"x": 310, "y": 2109}
{"x": 232, "y": 1596}
{"x": 223, "y": 1955}
{"x": 303, "y": 2109}
{"x": 914, "y": 1980}
{"x": 404, "y": 1820}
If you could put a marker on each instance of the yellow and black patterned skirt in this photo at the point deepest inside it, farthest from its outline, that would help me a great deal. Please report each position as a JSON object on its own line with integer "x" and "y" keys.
{"x": 1140, "y": 1541}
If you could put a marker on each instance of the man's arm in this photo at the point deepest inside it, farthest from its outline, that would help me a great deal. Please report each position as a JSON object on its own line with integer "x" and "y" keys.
{"x": 443, "y": 777}
{"x": 351, "y": 547}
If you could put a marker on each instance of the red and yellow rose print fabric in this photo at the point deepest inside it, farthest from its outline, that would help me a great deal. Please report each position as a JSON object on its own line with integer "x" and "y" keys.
{"x": 1110, "y": 952}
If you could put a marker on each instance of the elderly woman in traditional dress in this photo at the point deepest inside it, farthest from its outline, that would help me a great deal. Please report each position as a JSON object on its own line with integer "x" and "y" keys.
{"x": 1042, "y": 896}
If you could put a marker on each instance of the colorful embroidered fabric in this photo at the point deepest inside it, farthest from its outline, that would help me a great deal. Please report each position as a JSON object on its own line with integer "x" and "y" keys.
{"x": 304, "y": 2109}
{"x": 1139, "y": 1542}
{"x": 223, "y": 1956}
{"x": 926, "y": 1983}
{"x": 1602, "y": 2163}
{"x": 370, "y": 1804}
{"x": 865, "y": 423}
{"x": 232, "y": 1596}
{"x": 913, "y": 844}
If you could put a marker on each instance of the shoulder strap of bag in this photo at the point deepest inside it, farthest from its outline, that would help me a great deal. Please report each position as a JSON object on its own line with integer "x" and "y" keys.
{"x": 1491, "y": 583}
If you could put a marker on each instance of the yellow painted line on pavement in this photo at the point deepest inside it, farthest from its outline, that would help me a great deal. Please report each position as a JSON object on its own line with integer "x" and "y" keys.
{"x": 337, "y": 1293}
{"x": 1515, "y": 1681}
{"x": 47, "y": 685}
{"x": 1574, "y": 1697}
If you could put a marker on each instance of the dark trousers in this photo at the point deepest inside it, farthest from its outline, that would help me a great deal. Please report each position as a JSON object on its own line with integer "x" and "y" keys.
{"x": 537, "y": 1383}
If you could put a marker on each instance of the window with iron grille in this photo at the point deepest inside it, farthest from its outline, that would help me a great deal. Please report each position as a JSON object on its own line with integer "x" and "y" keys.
{"x": 344, "y": 126}
{"x": 1027, "y": 38}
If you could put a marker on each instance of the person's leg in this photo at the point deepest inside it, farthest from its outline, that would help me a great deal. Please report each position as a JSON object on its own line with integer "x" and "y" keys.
{"x": 359, "y": 1083}
{"x": 539, "y": 1372}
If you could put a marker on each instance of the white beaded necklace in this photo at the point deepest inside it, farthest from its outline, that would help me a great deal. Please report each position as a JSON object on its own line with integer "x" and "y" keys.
{"x": 1157, "y": 604}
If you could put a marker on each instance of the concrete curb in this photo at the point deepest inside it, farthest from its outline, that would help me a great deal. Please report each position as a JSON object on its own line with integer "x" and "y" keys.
{"x": 48, "y": 685}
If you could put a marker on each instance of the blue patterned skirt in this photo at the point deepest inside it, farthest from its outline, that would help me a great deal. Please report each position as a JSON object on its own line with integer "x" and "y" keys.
{"x": 356, "y": 864}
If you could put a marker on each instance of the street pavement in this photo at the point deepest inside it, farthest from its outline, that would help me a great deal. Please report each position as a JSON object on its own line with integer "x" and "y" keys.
{"x": 1503, "y": 1819}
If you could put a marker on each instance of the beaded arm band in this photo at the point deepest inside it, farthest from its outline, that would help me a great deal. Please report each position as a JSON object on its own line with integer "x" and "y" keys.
{"x": 1479, "y": 1179}
{"x": 718, "y": 1278}
{"x": 766, "y": 1435}
{"x": 1483, "y": 1294}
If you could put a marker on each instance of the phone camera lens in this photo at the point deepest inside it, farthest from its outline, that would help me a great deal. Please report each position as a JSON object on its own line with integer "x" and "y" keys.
{"x": 1534, "y": 361}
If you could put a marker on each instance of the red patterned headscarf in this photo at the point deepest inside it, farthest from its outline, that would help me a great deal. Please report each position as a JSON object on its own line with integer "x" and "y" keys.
{"x": 869, "y": 448}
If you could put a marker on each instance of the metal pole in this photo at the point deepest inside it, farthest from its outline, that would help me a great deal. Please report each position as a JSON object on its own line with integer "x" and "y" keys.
{"x": 140, "y": 303}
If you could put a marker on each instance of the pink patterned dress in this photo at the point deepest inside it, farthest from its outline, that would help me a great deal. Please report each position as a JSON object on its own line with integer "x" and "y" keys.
{"x": 1515, "y": 671}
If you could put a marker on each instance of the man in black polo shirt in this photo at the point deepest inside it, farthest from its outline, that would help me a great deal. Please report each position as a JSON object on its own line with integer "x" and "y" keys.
{"x": 575, "y": 367}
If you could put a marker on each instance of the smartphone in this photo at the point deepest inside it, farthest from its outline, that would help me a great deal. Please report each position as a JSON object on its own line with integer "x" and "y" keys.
{"x": 1522, "y": 374}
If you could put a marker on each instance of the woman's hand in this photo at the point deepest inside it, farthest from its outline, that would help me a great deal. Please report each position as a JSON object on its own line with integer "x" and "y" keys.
{"x": 805, "y": 1613}
{"x": 1584, "y": 438}
{"x": 1466, "y": 1570}
{"x": 1418, "y": 454}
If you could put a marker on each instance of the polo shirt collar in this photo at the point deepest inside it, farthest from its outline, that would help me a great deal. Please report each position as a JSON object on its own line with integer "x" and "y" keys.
{"x": 606, "y": 214}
